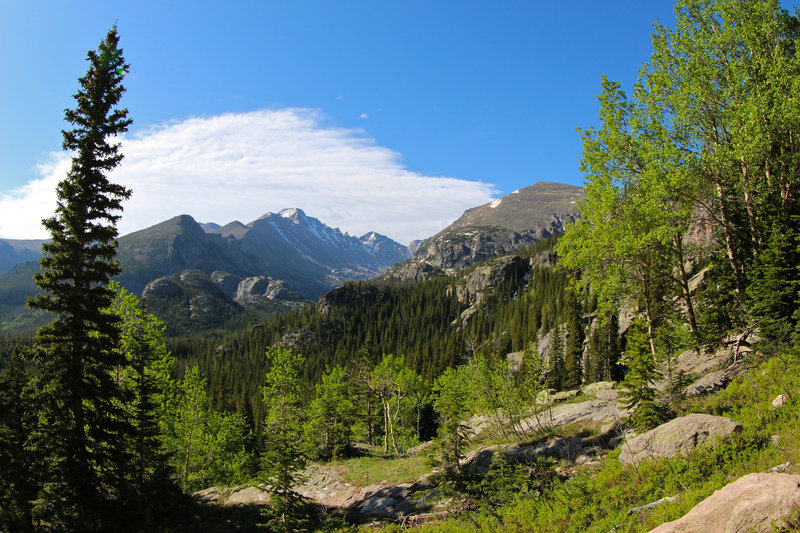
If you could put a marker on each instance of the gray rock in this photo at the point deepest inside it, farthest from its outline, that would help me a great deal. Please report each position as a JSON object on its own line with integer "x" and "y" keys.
{"x": 713, "y": 381}
{"x": 227, "y": 282}
{"x": 414, "y": 271}
{"x": 677, "y": 436}
{"x": 248, "y": 496}
{"x": 390, "y": 502}
{"x": 256, "y": 289}
{"x": 599, "y": 388}
{"x": 162, "y": 288}
{"x": 488, "y": 278}
{"x": 502, "y": 226}
{"x": 591, "y": 411}
{"x": 751, "y": 503}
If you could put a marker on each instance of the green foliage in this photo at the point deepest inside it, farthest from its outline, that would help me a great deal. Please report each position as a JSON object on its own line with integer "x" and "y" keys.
{"x": 504, "y": 484}
{"x": 206, "y": 447}
{"x": 454, "y": 403}
{"x": 402, "y": 393}
{"x": 147, "y": 388}
{"x": 599, "y": 499}
{"x": 332, "y": 414}
{"x": 284, "y": 454}
{"x": 508, "y": 395}
{"x": 18, "y": 467}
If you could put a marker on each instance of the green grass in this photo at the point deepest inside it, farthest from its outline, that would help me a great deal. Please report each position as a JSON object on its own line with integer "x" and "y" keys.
{"x": 383, "y": 468}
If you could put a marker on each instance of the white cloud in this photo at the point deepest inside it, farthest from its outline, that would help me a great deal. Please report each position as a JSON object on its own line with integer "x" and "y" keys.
{"x": 240, "y": 166}
{"x": 363, "y": 115}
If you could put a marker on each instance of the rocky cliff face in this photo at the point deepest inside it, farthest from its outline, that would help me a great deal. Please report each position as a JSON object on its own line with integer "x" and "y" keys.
{"x": 502, "y": 226}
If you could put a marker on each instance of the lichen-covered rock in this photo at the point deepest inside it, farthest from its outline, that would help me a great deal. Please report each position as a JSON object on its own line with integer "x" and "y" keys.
{"x": 677, "y": 436}
{"x": 751, "y": 503}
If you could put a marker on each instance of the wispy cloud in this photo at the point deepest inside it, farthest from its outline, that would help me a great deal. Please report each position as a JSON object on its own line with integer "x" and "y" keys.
{"x": 240, "y": 166}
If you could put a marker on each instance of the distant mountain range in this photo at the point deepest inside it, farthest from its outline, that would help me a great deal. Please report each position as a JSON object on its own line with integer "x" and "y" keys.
{"x": 309, "y": 256}
{"x": 205, "y": 274}
{"x": 14, "y": 252}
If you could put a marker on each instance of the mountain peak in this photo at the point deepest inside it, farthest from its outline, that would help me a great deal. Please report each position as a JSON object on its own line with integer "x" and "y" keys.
{"x": 293, "y": 213}
{"x": 503, "y": 225}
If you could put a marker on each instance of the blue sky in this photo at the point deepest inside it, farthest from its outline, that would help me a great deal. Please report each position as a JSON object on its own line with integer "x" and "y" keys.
{"x": 387, "y": 115}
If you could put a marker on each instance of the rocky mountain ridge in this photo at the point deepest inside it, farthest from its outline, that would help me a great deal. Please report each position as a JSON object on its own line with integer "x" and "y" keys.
{"x": 502, "y": 226}
{"x": 309, "y": 256}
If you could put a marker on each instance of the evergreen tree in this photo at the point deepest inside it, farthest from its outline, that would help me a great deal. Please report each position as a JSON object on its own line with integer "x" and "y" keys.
{"x": 639, "y": 392}
{"x": 556, "y": 374}
{"x": 17, "y": 466}
{"x": 775, "y": 290}
{"x": 81, "y": 423}
{"x": 284, "y": 454}
{"x": 573, "y": 350}
{"x": 604, "y": 350}
{"x": 332, "y": 414}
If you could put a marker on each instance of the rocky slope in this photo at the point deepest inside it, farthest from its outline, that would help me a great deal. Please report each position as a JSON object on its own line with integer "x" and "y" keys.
{"x": 502, "y": 226}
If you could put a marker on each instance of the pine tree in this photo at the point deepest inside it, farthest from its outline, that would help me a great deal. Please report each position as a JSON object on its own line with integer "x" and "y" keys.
{"x": 81, "y": 425}
{"x": 573, "y": 351}
{"x": 775, "y": 289}
{"x": 639, "y": 393}
{"x": 17, "y": 466}
{"x": 556, "y": 374}
{"x": 284, "y": 455}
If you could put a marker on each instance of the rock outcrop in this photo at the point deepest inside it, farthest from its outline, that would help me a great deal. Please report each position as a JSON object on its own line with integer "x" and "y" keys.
{"x": 255, "y": 289}
{"x": 189, "y": 299}
{"x": 324, "y": 485}
{"x": 751, "y": 503}
{"x": 678, "y": 436}
{"x": 413, "y": 272}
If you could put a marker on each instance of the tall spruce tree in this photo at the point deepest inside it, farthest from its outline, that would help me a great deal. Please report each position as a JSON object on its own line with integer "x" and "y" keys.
{"x": 80, "y": 421}
{"x": 573, "y": 350}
